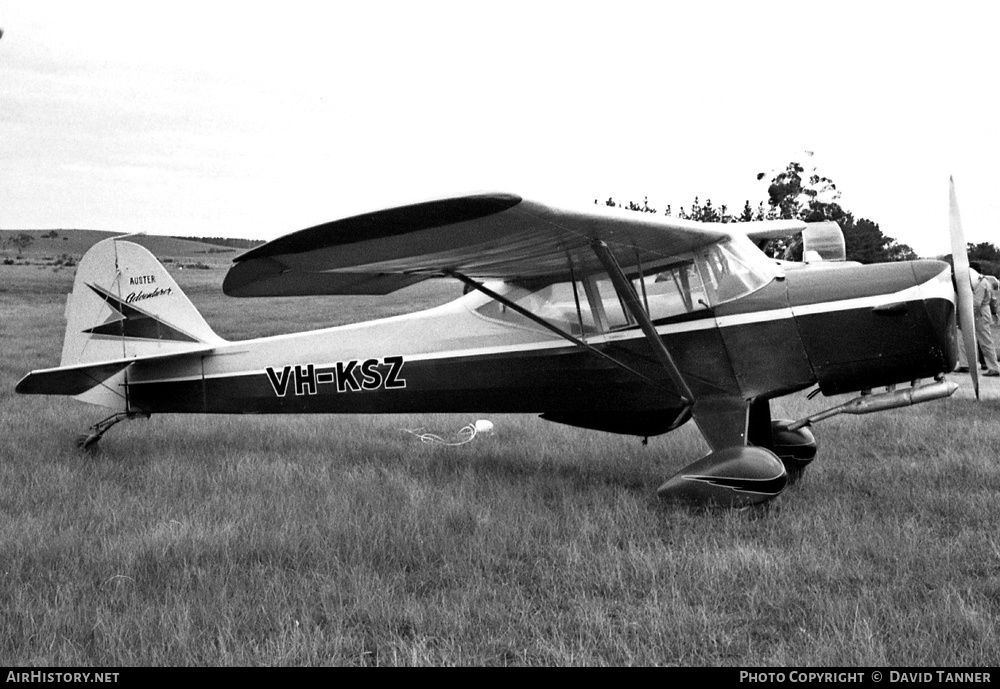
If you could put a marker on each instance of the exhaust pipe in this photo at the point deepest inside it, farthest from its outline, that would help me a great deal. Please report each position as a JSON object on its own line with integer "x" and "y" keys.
{"x": 891, "y": 399}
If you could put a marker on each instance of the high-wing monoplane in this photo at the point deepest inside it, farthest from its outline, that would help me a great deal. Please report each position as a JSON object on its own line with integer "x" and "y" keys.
{"x": 603, "y": 319}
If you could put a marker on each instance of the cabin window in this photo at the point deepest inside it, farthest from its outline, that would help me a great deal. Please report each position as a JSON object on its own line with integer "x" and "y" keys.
{"x": 616, "y": 316}
{"x": 718, "y": 273}
{"x": 554, "y": 303}
{"x": 675, "y": 290}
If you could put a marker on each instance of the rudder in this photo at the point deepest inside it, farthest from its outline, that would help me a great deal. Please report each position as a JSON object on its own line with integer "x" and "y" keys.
{"x": 124, "y": 305}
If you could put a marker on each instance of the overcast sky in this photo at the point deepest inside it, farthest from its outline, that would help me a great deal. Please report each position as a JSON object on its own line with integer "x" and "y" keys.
{"x": 254, "y": 119}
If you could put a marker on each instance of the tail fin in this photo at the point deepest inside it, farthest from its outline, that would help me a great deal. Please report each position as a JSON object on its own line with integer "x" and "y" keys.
{"x": 125, "y": 305}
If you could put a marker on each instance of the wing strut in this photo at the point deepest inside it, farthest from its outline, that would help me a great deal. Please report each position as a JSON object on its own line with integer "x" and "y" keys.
{"x": 558, "y": 331}
{"x": 627, "y": 293}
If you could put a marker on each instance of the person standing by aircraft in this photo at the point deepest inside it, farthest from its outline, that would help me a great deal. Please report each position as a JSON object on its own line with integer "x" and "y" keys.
{"x": 995, "y": 286}
{"x": 983, "y": 296}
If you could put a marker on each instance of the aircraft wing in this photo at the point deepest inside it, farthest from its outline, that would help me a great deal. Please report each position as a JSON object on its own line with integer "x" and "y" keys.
{"x": 484, "y": 236}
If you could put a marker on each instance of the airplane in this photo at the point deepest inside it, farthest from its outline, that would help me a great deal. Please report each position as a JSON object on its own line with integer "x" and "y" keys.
{"x": 598, "y": 318}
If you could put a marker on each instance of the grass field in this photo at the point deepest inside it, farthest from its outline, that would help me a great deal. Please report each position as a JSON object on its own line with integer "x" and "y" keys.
{"x": 344, "y": 540}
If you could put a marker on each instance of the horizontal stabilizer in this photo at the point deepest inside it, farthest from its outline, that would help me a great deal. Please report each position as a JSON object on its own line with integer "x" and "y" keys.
{"x": 76, "y": 380}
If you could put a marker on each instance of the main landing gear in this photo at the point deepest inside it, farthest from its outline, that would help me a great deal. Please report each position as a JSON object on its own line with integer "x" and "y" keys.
{"x": 795, "y": 448}
{"x": 771, "y": 457}
{"x": 87, "y": 441}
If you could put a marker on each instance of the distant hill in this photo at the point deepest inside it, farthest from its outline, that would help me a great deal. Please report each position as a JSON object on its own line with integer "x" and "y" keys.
{"x": 77, "y": 242}
{"x": 227, "y": 241}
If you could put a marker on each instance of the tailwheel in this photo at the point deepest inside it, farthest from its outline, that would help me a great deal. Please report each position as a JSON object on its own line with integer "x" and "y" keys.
{"x": 795, "y": 448}
{"x": 87, "y": 442}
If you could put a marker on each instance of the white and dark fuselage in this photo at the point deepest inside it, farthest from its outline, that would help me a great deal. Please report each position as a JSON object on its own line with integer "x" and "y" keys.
{"x": 847, "y": 329}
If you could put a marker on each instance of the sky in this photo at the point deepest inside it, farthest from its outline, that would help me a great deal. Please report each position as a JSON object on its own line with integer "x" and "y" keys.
{"x": 255, "y": 119}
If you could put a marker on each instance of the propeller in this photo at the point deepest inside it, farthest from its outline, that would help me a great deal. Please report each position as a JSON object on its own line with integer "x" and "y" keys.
{"x": 963, "y": 287}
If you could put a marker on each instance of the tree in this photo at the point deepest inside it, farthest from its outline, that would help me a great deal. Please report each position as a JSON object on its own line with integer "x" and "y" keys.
{"x": 706, "y": 212}
{"x": 864, "y": 238}
{"x": 866, "y": 243}
{"x": 988, "y": 257}
{"x": 644, "y": 208}
{"x": 984, "y": 251}
{"x": 749, "y": 214}
{"x": 795, "y": 193}
{"x": 20, "y": 242}
{"x": 815, "y": 198}
{"x": 812, "y": 200}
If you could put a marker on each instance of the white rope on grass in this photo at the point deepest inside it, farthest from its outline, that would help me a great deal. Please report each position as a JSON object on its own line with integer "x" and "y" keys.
{"x": 464, "y": 435}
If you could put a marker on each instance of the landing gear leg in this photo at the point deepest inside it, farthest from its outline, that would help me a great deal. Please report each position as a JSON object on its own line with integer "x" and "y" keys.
{"x": 88, "y": 440}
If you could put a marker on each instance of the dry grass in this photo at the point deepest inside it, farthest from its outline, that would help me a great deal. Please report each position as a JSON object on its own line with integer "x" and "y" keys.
{"x": 343, "y": 540}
